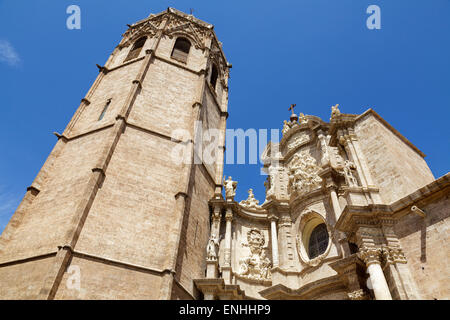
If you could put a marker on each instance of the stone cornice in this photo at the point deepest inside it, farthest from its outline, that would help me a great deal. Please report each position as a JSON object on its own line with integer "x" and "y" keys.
{"x": 373, "y": 215}
{"x": 311, "y": 290}
{"x": 218, "y": 288}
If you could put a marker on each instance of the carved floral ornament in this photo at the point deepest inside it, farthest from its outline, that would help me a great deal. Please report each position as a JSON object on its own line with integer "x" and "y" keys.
{"x": 309, "y": 220}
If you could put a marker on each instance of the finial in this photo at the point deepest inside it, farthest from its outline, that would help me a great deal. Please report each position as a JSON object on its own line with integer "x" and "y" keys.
{"x": 293, "y": 115}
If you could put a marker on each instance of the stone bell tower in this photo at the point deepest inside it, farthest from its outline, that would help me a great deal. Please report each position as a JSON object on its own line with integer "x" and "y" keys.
{"x": 113, "y": 213}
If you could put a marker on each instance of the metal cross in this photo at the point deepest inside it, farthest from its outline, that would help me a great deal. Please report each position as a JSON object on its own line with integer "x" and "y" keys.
{"x": 292, "y": 107}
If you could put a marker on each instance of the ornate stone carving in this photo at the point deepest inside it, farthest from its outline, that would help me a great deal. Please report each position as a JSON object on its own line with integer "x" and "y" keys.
{"x": 302, "y": 119}
{"x": 146, "y": 28}
{"x": 288, "y": 125}
{"x": 268, "y": 184}
{"x": 393, "y": 255}
{"x": 303, "y": 174}
{"x": 251, "y": 202}
{"x": 335, "y": 111}
{"x": 370, "y": 255}
{"x": 298, "y": 140}
{"x": 178, "y": 24}
{"x": 255, "y": 266}
{"x": 347, "y": 171}
{"x": 358, "y": 295}
{"x": 230, "y": 188}
{"x": 211, "y": 248}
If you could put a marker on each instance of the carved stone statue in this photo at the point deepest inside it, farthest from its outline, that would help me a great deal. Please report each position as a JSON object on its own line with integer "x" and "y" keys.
{"x": 251, "y": 202}
{"x": 302, "y": 119}
{"x": 335, "y": 111}
{"x": 211, "y": 248}
{"x": 348, "y": 173}
{"x": 286, "y": 127}
{"x": 230, "y": 188}
{"x": 270, "y": 182}
{"x": 255, "y": 266}
{"x": 303, "y": 174}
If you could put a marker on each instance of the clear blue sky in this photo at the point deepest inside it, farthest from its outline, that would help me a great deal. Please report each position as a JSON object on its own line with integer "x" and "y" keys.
{"x": 314, "y": 53}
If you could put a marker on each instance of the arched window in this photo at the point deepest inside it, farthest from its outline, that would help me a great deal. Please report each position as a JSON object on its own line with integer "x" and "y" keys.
{"x": 214, "y": 75}
{"x": 137, "y": 47}
{"x": 181, "y": 49}
{"x": 318, "y": 241}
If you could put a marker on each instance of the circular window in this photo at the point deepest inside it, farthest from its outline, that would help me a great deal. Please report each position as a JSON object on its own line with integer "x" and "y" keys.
{"x": 313, "y": 239}
{"x": 318, "y": 241}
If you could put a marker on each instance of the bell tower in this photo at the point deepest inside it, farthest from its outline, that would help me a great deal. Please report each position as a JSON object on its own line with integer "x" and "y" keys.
{"x": 113, "y": 213}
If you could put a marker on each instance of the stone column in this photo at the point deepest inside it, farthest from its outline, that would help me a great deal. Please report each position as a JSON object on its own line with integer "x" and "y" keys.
{"x": 331, "y": 186}
{"x": 273, "y": 230}
{"x": 226, "y": 269}
{"x": 371, "y": 257}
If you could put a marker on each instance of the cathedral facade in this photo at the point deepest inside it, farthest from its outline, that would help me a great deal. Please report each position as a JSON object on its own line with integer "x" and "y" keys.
{"x": 352, "y": 210}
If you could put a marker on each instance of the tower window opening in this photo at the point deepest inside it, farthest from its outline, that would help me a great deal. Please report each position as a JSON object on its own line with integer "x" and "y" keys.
{"x": 137, "y": 47}
{"x": 181, "y": 49}
{"x": 214, "y": 75}
{"x": 105, "y": 108}
{"x": 318, "y": 241}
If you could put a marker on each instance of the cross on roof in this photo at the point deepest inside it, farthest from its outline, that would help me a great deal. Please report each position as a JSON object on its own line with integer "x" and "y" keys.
{"x": 292, "y": 107}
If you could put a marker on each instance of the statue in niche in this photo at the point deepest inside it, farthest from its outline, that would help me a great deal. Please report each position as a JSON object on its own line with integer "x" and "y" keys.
{"x": 211, "y": 248}
{"x": 230, "y": 188}
{"x": 256, "y": 266}
{"x": 348, "y": 173}
{"x": 303, "y": 174}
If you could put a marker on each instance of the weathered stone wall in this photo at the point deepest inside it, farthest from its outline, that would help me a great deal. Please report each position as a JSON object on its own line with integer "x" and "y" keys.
{"x": 23, "y": 280}
{"x": 426, "y": 244}
{"x": 195, "y": 231}
{"x": 101, "y": 280}
{"x": 57, "y": 201}
{"x": 165, "y": 101}
{"x": 136, "y": 205}
{"x": 114, "y": 85}
{"x": 396, "y": 168}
